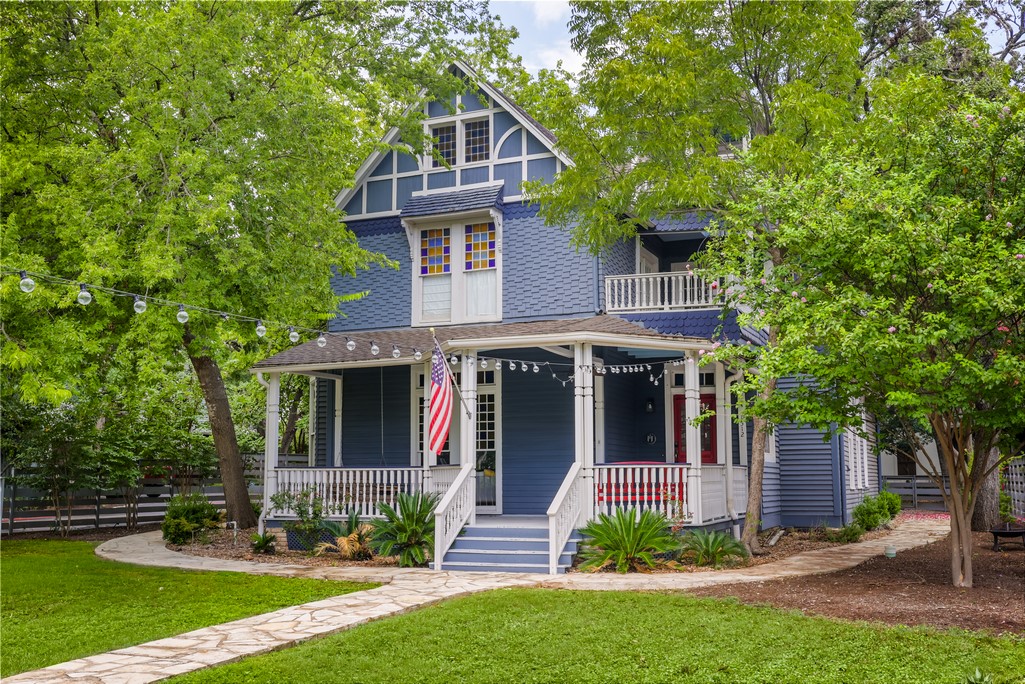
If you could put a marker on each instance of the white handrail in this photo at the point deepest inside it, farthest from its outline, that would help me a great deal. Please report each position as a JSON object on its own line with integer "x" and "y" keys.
{"x": 454, "y": 511}
{"x": 564, "y": 515}
{"x": 657, "y": 292}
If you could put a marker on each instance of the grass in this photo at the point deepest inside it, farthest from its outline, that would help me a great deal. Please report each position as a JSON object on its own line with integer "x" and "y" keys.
{"x": 531, "y": 635}
{"x": 59, "y": 601}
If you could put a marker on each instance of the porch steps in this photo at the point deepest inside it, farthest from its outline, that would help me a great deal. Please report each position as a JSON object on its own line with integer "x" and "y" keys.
{"x": 505, "y": 549}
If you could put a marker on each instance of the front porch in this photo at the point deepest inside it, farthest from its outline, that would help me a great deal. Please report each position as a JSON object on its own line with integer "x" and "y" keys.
{"x": 561, "y": 446}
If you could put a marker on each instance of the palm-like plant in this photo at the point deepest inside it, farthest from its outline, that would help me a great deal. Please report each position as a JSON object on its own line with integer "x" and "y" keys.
{"x": 352, "y": 538}
{"x": 711, "y": 548}
{"x": 626, "y": 540}
{"x": 407, "y": 529}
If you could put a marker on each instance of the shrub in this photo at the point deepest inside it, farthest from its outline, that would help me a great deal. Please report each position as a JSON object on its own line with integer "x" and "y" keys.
{"x": 264, "y": 543}
{"x": 848, "y": 534}
{"x": 711, "y": 547}
{"x": 626, "y": 540}
{"x": 352, "y": 538}
{"x": 198, "y": 514}
{"x": 308, "y": 509}
{"x": 407, "y": 529}
{"x": 891, "y": 502}
{"x": 870, "y": 513}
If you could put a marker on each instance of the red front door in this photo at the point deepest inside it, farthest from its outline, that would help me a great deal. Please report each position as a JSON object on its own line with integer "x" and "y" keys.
{"x": 707, "y": 429}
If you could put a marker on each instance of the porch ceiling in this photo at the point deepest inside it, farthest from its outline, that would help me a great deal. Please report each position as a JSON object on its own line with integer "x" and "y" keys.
{"x": 600, "y": 329}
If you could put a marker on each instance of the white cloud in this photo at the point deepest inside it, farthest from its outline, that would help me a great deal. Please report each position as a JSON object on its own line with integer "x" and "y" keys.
{"x": 548, "y": 57}
{"x": 547, "y": 12}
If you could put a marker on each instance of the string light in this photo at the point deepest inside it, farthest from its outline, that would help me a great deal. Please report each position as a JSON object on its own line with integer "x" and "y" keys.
{"x": 395, "y": 353}
{"x": 84, "y": 296}
{"x": 293, "y": 336}
{"x": 261, "y": 329}
{"x": 417, "y": 354}
{"x": 484, "y": 364}
{"x": 350, "y": 344}
{"x": 536, "y": 369}
{"x": 321, "y": 341}
{"x": 374, "y": 349}
{"x": 139, "y": 305}
{"x": 26, "y": 284}
{"x": 183, "y": 315}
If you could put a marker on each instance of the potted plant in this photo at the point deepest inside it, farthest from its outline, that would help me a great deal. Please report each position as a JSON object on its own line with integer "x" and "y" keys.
{"x": 307, "y": 529}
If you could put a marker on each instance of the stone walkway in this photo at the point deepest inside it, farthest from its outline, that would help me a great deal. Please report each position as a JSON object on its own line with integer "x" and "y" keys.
{"x": 403, "y": 590}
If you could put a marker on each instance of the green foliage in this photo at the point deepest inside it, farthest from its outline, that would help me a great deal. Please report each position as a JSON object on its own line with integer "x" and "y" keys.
{"x": 871, "y": 513}
{"x": 890, "y": 502}
{"x": 406, "y": 530}
{"x": 627, "y": 540}
{"x": 308, "y": 508}
{"x": 848, "y": 534}
{"x": 1006, "y": 511}
{"x": 264, "y": 543}
{"x": 624, "y": 636}
{"x": 62, "y": 587}
{"x": 978, "y": 677}
{"x": 189, "y": 517}
{"x": 711, "y": 547}
{"x": 352, "y": 538}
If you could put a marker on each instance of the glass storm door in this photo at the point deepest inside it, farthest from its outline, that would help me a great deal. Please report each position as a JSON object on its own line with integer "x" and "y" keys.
{"x": 707, "y": 429}
{"x": 488, "y": 463}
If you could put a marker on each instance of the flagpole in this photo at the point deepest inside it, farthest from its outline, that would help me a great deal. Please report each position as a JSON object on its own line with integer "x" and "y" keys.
{"x": 451, "y": 377}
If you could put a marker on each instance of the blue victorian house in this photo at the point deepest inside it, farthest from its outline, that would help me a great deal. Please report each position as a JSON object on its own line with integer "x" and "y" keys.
{"x": 580, "y": 377}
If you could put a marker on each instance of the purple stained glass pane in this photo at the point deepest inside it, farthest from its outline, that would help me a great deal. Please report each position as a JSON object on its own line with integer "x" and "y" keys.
{"x": 491, "y": 263}
{"x": 423, "y": 270}
{"x": 491, "y": 244}
{"x": 447, "y": 249}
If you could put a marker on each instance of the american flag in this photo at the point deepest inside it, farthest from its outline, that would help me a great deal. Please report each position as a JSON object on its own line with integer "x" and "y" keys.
{"x": 440, "y": 416}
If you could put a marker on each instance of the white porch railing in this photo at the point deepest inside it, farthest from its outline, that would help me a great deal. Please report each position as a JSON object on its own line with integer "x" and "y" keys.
{"x": 442, "y": 478}
{"x": 657, "y": 292}
{"x": 346, "y": 489}
{"x": 564, "y": 514}
{"x": 668, "y": 489}
{"x": 455, "y": 510}
{"x": 713, "y": 493}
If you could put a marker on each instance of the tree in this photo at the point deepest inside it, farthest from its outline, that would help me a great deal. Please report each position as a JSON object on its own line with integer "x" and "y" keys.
{"x": 904, "y": 290}
{"x": 662, "y": 85}
{"x": 189, "y": 152}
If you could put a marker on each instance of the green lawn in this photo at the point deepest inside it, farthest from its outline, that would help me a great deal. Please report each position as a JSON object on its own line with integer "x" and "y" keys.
{"x": 530, "y": 635}
{"x": 59, "y": 601}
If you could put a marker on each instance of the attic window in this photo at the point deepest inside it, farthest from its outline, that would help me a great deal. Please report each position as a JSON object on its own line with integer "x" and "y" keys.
{"x": 477, "y": 140}
{"x": 444, "y": 145}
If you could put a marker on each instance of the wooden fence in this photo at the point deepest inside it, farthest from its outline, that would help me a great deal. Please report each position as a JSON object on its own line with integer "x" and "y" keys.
{"x": 28, "y": 510}
{"x": 916, "y": 491}
{"x": 1014, "y": 485}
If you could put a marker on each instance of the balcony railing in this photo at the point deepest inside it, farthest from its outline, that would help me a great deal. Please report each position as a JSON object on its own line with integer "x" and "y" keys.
{"x": 657, "y": 292}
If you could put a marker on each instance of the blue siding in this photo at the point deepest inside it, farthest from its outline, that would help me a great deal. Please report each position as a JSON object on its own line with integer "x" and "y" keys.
{"x": 541, "y": 169}
{"x": 444, "y": 179}
{"x": 407, "y": 163}
{"x": 616, "y": 260}
{"x": 503, "y": 122}
{"x": 473, "y": 102}
{"x": 379, "y": 196}
{"x": 435, "y": 109}
{"x": 535, "y": 146}
{"x": 389, "y": 302}
{"x": 512, "y": 174}
{"x": 355, "y": 205}
{"x": 513, "y": 145}
{"x": 477, "y": 174}
{"x": 627, "y": 423}
{"x": 375, "y": 417}
{"x": 406, "y": 188}
{"x": 384, "y": 167}
{"x": 772, "y": 505}
{"x": 537, "y": 441}
{"x": 529, "y": 248}
{"x": 325, "y": 411}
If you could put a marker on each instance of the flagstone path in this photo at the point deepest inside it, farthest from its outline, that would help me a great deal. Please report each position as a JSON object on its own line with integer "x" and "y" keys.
{"x": 403, "y": 590}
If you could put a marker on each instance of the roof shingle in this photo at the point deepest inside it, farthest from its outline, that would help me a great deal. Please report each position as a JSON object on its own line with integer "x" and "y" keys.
{"x": 439, "y": 203}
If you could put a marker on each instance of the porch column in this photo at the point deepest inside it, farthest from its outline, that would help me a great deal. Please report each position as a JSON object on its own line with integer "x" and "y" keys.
{"x": 692, "y": 408}
{"x": 270, "y": 442}
{"x": 583, "y": 422}
{"x": 337, "y": 458}
{"x": 426, "y": 460}
{"x": 599, "y": 418}
{"x": 468, "y": 415}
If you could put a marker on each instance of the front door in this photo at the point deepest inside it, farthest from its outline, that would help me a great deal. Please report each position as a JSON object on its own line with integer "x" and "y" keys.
{"x": 707, "y": 429}
{"x": 488, "y": 457}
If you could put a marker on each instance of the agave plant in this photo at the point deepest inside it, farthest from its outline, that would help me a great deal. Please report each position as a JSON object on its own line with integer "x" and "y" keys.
{"x": 352, "y": 538}
{"x": 407, "y": 529}
{"x": 626, "y": 540}
{"x": 711, "y": 548}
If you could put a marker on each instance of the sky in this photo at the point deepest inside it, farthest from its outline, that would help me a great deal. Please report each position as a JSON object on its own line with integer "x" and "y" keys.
{"x": 544, "y": 37}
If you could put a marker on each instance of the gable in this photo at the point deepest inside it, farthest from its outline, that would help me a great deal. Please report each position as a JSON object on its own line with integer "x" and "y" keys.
{"x": 489, "y": 140}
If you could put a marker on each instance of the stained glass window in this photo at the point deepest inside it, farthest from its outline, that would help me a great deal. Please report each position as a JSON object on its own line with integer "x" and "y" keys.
{"x": 478, "y": 140}
{"x": 480, "y": 246}
{"x": 435, "y": 252}
{"x": 444, "y": 144}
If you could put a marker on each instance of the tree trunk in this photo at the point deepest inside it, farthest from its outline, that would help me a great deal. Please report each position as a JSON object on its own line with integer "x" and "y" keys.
{"x": 986, "y": 515}
{"x": 960, "y": 516}
{"x": 292, "y": 421}
{"x": 236, "y": 496}
{"x": 756, "y": 471}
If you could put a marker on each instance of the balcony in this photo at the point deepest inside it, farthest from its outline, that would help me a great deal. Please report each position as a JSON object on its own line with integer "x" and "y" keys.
{"x": 658, "y": 292}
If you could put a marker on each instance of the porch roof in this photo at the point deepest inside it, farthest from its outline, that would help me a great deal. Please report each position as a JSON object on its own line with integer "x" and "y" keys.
{"x": 603, "y": 329}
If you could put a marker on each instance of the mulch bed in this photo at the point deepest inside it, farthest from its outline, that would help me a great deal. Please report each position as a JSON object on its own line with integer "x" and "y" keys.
{"x": 91, "y": 535}
{"x": 912, "y": 589}
{"x": 224, "y": 544}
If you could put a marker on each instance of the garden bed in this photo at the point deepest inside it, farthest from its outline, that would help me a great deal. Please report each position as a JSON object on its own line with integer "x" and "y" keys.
{"x": 912, "y": 589}
{"x": 223, "y": 544}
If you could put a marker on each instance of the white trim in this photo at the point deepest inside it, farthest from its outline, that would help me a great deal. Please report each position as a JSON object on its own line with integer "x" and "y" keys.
{"x": 722, "y": 422}
{"x": 599, "y": 416}
{"x": 594, "y": 338}
{"x": 337, "y": 455}
{"x": 312, "y": 457}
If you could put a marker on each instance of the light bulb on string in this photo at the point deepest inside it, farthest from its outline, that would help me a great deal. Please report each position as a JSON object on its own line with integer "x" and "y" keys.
{"x": 350, "y": 344}
{"x": 261, "y": 329}
{"x": 374, "y": 349}
{"x": 484, "y": 364}
{"x": 536, "y": 369}
{"x": 656, "y": 383}
{"x": 512, "y": 365}
{"x": 26, "y": 284}
{"x": 417, "y": 354}
{"x": 523, "y": 367}
{"x": 321, "y": 341}
{"x": 225, "y": 317}
{"x": 395, "y": 353}
{"x": 453, "y": 359}
{"x": 84, "y": 296}
{"x": 140, "y": 305}
{"x": 651, "y": 378}
{"x": 183, "y": 315}
{"x": 293, "y": 336}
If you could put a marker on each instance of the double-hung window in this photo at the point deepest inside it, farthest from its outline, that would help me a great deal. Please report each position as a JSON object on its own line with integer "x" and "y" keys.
{"x": 457, "y": 274}
{"x": 466, "y": 142}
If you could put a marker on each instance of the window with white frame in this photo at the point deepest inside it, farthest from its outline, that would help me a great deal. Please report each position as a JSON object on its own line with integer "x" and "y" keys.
{"x": 465, "y": 141}
{"x": 858, "y": 451}
{"x": 457, "y": 277}
{"x": 444, "y": 145}
{"x": 770, "y": 446}
{"x": 486, "y": 418}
